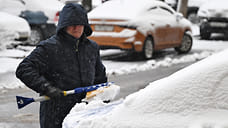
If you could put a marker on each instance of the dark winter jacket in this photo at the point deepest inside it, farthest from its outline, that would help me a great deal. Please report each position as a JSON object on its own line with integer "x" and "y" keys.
{"x": 66, "y": 63}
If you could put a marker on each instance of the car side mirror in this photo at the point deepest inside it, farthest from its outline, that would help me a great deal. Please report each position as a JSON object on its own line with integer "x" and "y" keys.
{"x": 179, "y": 16}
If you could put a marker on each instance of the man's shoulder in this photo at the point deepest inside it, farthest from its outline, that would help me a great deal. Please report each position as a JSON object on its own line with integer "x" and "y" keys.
{"x": 50, "y": 41}
{"x": 50, "y": 45}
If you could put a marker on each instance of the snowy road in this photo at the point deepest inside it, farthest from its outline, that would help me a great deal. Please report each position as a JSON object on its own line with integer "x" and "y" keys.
{"x": 11, "y": 117}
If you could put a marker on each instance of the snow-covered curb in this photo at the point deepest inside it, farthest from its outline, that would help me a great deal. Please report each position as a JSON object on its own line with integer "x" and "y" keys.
{"x": 9, "y": 64}
{"x": 152, "y": 64}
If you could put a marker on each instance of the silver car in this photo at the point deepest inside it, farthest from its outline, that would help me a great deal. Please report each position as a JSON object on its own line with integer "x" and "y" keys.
{"x": 13, "y": 27}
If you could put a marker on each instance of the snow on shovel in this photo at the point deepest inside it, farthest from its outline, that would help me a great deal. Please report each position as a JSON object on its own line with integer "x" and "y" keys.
{"x": 23, "y": 101}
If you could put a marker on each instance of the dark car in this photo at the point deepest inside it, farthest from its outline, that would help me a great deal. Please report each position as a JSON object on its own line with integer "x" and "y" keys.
{"x": 192, "y": 8}
{"x": 42, "y": 16}
{"x": 214, "y": 18}
{"x": 40, "y": 28}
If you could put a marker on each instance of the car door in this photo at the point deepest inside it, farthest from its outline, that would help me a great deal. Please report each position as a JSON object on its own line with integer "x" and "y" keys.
{"x": 167, "y": 34}
{"x": 157, "y": 24}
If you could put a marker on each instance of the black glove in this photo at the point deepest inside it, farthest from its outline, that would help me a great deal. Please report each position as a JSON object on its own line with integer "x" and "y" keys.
{"x": 51, "y": 91}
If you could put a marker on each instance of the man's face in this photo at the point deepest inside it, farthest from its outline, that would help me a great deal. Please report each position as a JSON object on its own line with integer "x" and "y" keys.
{"x": 75, "y": 30}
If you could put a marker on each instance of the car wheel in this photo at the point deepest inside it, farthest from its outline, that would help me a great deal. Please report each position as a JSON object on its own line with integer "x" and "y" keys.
{"x": 148, "y": 48}
{"x": 36, "y": 36}
{"x": 186, "y": 44}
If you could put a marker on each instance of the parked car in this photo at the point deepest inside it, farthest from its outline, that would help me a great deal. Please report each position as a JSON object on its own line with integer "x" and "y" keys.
{"x": 194, "y": 97}
{"x": 13, "y": 27}
{"x": 214, "y": 18}
{"x": 142, "y": 26}
{"x": 40, "y": 29}
{"x": 42, "y": 16}
{"x": 51, "y": 8}
{"x": 192, "y": 8}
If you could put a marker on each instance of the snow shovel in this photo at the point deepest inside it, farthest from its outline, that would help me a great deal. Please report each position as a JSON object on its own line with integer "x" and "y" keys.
{"x": 23, "y": 101}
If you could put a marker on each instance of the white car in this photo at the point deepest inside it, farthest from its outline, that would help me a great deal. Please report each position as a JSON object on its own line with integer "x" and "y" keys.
{"x": 13, "y": 27}
{"x": 50, "y": 8}
{"x": 194, "y": 97}
{"x": 214, "y": 18}
{"x": 42, "y": 15}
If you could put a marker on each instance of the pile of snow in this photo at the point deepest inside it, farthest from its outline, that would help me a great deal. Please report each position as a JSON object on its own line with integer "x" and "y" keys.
{"x": 195, "y": 97}
{"x": 11, "y": 58}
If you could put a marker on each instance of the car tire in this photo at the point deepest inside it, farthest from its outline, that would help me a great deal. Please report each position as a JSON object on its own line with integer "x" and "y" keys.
{"x": 36, "y": 35}
{"x": 148, "y": 48}
{"x": 186, "y": 44}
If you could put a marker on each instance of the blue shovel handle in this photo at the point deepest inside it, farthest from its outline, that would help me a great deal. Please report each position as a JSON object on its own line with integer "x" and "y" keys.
{"x": 23, "y": 101}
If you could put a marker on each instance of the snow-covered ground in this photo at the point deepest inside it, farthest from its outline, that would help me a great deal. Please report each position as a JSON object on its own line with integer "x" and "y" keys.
{"x": 194, "y": 97}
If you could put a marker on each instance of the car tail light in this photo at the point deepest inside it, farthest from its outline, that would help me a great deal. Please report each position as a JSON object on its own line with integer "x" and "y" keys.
{"x": 56, "y": 19}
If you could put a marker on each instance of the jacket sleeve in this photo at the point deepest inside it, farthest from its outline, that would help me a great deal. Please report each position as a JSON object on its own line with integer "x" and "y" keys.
{"x": 100, "y": 75}
{"x": 30, "y": 71}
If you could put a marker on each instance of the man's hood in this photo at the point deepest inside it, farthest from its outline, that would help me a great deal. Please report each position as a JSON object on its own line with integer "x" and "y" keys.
{"x": 73, "y": 14}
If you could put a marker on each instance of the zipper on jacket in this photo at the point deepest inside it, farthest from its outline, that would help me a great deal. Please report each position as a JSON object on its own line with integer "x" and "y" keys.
{"x": 77, "y": 43}
{"x": 78, "y": 57}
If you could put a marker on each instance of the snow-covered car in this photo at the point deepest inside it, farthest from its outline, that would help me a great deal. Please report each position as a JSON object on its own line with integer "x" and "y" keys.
{"x": 51, "y": 8}
{"x": 41, "y": 15}
{"x": 192, "y": 8}
{"x": 194, "y": 97}
{"x": 214, "y": 18}
{"x": 140, "y": 25}
{"x": 13, "y": 27}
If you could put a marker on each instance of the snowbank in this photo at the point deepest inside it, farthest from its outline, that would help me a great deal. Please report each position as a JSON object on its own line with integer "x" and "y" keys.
{"x": 196, "y": 96}
{"x": 10, "y": 59}
{"x": 152, "y": 64}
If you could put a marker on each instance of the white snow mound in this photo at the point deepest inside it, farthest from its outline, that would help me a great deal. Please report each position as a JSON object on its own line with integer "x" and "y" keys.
{"x": 195, "y": 97}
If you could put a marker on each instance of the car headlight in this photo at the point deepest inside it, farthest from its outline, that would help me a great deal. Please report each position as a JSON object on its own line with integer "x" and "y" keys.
{"x": 203, "y": 20}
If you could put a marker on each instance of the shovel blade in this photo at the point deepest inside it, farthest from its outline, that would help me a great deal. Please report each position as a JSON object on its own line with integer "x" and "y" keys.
{"x": 23, "y": 101}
